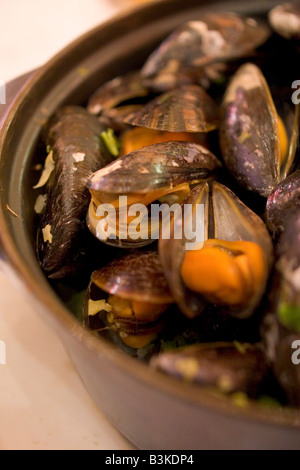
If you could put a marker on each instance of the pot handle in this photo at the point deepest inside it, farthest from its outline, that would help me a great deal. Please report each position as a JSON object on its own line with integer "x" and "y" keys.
{"x": 8, "y": 93}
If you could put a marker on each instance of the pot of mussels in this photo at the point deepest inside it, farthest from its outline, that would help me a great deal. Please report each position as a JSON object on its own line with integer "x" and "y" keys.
{"x": 152, "y": 175}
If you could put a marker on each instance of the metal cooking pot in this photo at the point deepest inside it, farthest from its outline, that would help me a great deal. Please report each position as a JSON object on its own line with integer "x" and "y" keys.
{"x": 151, "y": 410}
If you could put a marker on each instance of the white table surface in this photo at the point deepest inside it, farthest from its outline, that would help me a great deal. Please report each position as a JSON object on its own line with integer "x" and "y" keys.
{"x": 43, "y": 404}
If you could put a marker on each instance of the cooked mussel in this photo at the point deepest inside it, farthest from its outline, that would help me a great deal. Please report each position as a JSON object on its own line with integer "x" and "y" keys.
{"x": 281, "y": 325}
{"x": 223, "y": 257}
{"x": 75, "y": 152}
{"x": 185, "y": 114}
{"x": 285, "y": 20}
{"x": 129, "y": 298}
{"x": 215, "y": 37}
{"x": 159, "y": 172}
{"x": 184, "y": 109}
{"x": 282, "y": 203}
{"x": 227, "y": 367}
{"x": 253, "y": 138}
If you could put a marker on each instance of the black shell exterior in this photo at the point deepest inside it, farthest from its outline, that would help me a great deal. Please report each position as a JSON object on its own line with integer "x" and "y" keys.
{"x": 73, "y": 136}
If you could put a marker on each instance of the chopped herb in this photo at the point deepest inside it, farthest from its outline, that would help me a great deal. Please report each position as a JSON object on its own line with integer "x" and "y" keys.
{"x": 240, "y": 399}
{"x": 146, "y": 351}
{"x": 111, "y": 141}
{"x": 79, "y": 157}
{"x": 241, "y": 348}
{"x": 11, "y": 211}
{"x": 188, "y": 368}
{"x": 243, "y": 137}
{"x": 268, "y": 401}
{"x": 180, "y": 340}
{"x": 83, "y": 71}
{"x": 163, "y": 98}
{"x": 47, "y": 235}
{"x": 219, "y": 80}
{"x": 48, "y": 168}
{"x": 96, "y": 306}
{"x": 289, "y": 316}
{"x": 225, "y": 384}
{"x": 40, "y": 203}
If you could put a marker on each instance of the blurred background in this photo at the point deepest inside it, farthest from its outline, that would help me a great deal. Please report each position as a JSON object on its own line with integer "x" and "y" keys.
{"x": 32, "y": 31}
{"x": 43, "y": 404}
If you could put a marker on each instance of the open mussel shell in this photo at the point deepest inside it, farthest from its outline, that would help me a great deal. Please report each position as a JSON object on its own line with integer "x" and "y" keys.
{"x": 147, "y": 175}
{"x": 282, "y": 203}
{"x": 250, "y": 136}
{"x": 72, "y": 138}
{"x": 228, "y": 367}
{"x": 217, "y": 214}
{"x": 184, "y": 109}
{"x": 135, "y": 279}
{"x": 285, "y": 20}
{"x": 213, "y": 37}
{"x": 281, "y": 324}
{"x": 116, "y": 91}
{"x": 138, "y": 276}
